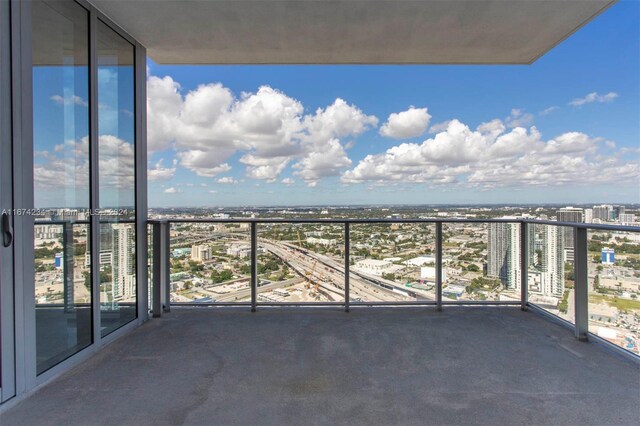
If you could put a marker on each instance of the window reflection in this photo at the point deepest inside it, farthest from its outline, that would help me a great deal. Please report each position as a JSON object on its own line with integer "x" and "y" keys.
{"x": 116, "y": 152}
{"x": 61, "y": 172}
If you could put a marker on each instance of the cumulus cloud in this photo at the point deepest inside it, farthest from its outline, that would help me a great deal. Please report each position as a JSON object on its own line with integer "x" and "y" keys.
{"x": 406, "y": 124}
{"x": 172, "y": 190}
{"x": 325, "y": 162}
{"x": 490, "y": 156}
{"x": 439, "y": 127}
{"x": 227, "y": 180}
{"x": 208, "y": 125}
{"x": 519, "y": 118}
{"x": 594, "y": 97}
{"x": 68, "y": 165}
{"x": 288, "y": 181}
{"x": 160, "y": 173}
{"x": 549, "y": 110}
{"x": 202, "y": 163}
{"x": 69, "y": 100}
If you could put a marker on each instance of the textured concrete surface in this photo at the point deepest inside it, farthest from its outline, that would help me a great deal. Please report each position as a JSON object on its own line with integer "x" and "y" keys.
{"x": 484, "y": 366}
{"x": 348, "y": 31}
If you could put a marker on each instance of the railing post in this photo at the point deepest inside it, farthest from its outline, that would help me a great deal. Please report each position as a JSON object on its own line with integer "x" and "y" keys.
{"x": 156, "y": 306}
{"x": 165, "y": 275}
{"x": 439, "y": 265}
{"x": 254, "y": 265}
{"x": 347, "y": 265}
{"x": 581, "y": 286}
{"x": 524, "y": 265}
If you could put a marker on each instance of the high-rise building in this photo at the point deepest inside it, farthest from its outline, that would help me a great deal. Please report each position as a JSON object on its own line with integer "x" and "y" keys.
{"x": 569, "y": 214}
{"x": 588, "y": 215}
{"x": 627, "y": 218}
{"x": 551, "y": 261}
{"x": 200, "y": 253}
{"x": 503, "y": 253}
{"x": 618, "y": 211}
{"x": 603, "y": 212}
{"x": 124, "y": 261}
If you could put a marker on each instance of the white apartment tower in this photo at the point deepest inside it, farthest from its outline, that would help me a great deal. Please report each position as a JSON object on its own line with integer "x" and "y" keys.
{"x": 552, "y": 261}
{"x": 200, "y": 253}
{"x": 503, "y": 253}
{"x": 124, "y": 262}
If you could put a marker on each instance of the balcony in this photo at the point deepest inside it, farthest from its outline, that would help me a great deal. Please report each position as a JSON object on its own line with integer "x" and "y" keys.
{"x": 111, "y": 314}
{"x": 249, "y": 350}
{"x": 540, "y": 265}
{"x": 464, "y": 365}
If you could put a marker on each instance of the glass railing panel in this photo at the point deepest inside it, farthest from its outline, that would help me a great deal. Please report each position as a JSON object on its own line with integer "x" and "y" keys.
{"x": 62, "y": 292}
{"x": 300, "y": 263}
{"x": 118, "y": 289}
{"x": 392, "y": 262}
{"x": 551, "y": 272}
{"x": 614, "y": 287}
{"x": 210, "y": 262}
{"x": 481, "y": 262}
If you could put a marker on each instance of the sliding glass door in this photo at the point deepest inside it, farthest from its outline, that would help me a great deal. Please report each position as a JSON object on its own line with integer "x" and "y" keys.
{"x": 7, "y": 343}
{"x": 116, "y": 177}
{"x": 62, "y": 231}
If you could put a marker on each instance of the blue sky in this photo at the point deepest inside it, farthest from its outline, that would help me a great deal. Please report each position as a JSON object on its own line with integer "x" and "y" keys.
{"x": 563, "y": 130}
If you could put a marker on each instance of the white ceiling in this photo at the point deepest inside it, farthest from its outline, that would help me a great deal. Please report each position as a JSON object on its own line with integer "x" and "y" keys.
{"x": 350, "y": 31}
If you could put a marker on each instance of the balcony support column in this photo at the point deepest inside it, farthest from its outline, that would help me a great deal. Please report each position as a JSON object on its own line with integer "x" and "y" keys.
{"x": 254, "y": 265}
{"x": 156, "y": 306}
{"x": 347, "y": 265}
{"x": 581, "y": 286}
{"x": 165, "y": 275}
{"x": 439, "y": 265}
{"x": 524, "y": 265}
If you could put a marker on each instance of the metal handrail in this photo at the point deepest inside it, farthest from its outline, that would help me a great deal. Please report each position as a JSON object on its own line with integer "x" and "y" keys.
{"x": 595, "y": 226}
{"x": 161, "y": 260}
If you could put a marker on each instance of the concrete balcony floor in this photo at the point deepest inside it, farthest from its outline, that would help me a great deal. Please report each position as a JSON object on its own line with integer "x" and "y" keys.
{"x": 479, "y": 365}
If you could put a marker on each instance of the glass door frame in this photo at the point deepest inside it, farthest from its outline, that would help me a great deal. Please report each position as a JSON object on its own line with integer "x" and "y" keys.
{"x": 18, "y": 319}
{"x": 7, "y": 343}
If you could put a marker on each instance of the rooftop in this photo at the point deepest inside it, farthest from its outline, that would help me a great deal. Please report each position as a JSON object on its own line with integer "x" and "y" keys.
{"x": 380, "y": 366}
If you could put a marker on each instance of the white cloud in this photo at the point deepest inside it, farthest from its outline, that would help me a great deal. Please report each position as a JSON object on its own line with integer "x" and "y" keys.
{"x": 227, "y": 180}
{"x": 160, "y": 173}
{"x": 337, "y": 120}
{"x": 439, "y": 127}
{"x": 69, "y": 100}
{"x": 163, "y": 107}
{"x": 67, "y": 167}
{"x": 594, "y": 97}
{"x": 490, "y": 157}
{"x": 202, "y": 163}
{"x": 406, "y": 124}
{"x": 519, "y": 118}
{"x": 172, "y": 190}
{"x": 288, "y": 181}
{"x": 549, "y": 110}
{"x": 209, "y": 125}
{"x": 324, "y": 162}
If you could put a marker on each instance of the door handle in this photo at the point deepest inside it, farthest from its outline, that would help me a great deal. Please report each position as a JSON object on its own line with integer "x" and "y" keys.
{"x": 7, "y": 235}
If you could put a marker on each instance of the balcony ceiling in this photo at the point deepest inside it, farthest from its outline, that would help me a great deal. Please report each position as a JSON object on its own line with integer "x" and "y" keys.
{"x": 350, "y": 31}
